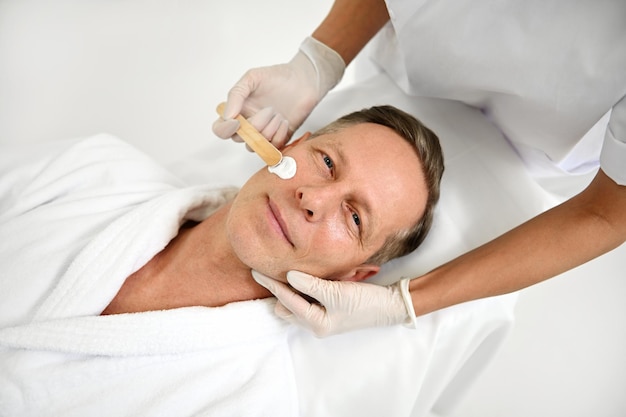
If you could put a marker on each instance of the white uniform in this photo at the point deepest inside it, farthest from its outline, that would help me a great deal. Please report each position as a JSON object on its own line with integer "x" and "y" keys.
{"x": 544, "y": 71}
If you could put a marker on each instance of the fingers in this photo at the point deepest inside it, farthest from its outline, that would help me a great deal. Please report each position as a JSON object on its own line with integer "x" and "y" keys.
{"x": 283, "y": 312}
{"x": 263, "y": 119}
{"x": 282, "y": 135}
{"x": 308, "y": 284}
{"x": 226, "y": 129}
{"x": 289, "y": 299}
{"x": 293, "y": 307}
{"x": 314, "y": 322}
{"x": 241, "y": 100}
{"x": 271, "y": 284}
{"x": 273, "y": 126}
{"x": 286, "y": 295}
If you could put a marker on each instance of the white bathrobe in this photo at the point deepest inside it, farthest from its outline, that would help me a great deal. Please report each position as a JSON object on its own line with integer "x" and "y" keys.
{"x": 75, "y": 220}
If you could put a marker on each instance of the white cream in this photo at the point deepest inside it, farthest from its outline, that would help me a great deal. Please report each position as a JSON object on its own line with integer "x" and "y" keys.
{"x": 285, "y": 169}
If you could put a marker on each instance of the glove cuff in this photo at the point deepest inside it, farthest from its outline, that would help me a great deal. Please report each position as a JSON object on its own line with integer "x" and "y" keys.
{"x": 408, "y": 302}
{"x": 328, "y": 64}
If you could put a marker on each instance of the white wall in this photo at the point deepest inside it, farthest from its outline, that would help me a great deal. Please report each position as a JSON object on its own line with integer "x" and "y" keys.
{"x": 152, "y": 72}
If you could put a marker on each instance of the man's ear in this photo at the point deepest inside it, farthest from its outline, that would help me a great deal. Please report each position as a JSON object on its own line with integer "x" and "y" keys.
{"x": 302, "y": 138}
{"x": 360, "y": 273}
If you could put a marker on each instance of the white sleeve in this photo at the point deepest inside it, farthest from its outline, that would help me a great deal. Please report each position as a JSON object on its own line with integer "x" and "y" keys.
{"x": 613, "y": 156}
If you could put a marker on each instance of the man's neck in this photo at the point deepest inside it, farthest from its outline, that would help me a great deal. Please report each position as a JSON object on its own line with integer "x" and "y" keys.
{"x": 197, "y": 268}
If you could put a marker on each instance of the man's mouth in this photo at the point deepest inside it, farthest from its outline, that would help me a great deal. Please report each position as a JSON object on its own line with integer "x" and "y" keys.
{"x": 279, "y": 222}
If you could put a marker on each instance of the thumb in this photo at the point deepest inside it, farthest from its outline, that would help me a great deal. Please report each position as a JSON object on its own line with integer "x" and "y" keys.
{"x": 225, "y": 129}
{"x": 269, "y": 283}
{"x": 301, "y": 280}
{"x": 288, "y": 298}
{"x": 310, "y": 285}
{"x": 283, "y": 312}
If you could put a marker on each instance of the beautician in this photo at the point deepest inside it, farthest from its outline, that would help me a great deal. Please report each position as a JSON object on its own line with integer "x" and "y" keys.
{"x": 543, "y": 71}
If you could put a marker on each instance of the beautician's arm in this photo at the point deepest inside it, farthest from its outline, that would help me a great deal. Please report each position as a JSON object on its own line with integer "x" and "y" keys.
{"x": 583, "y": 228}
{"x": 350, "y": 24}
{"x": 580, "y": 229}
{"x": 277, "y": 99}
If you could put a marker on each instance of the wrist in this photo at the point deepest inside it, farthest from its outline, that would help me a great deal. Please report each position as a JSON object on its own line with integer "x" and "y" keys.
{"x": 403, "y": 286}
{"x": 328, "y": 64}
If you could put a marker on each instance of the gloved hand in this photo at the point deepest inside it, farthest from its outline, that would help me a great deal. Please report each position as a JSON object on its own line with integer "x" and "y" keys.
{"x": 277, "y": 99}
{"x": 344, "y": 305}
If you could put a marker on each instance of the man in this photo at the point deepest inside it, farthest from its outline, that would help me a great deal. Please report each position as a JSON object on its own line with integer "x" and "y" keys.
{"x": 94, "y": 229}
{"x": 349, "y": 208}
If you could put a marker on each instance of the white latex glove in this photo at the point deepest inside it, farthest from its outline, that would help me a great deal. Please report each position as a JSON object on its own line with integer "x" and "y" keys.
{"x": 343, "y": 305}
{"x": 277, "y": 99}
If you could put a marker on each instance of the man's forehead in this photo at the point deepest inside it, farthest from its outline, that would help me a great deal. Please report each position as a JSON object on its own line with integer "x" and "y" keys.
{"x": 341, "y": 139}
{"x": 335, "y": 144}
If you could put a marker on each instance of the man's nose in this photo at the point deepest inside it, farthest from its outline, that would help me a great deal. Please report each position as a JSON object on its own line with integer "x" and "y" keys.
{"x": 318, "y": 202}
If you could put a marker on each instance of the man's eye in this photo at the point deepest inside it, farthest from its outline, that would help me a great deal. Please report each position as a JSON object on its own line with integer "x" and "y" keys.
{"x": 356, "y": 219}
{"x": 329, "y": 162}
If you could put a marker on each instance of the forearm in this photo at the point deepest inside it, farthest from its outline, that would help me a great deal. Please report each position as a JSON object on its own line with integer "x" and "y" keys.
{"x": 581, "y": 229}
{"x": 350, "y": 24}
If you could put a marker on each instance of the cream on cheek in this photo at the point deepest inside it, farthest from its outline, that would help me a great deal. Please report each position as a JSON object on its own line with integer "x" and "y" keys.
{"x": 285, "y": 169}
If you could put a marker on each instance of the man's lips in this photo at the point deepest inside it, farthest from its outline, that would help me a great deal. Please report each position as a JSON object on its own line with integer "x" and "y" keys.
{"x": 279, "y": 221}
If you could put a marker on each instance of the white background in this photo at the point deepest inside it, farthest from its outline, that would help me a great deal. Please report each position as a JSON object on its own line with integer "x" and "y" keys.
{"x": 152, "y": 72}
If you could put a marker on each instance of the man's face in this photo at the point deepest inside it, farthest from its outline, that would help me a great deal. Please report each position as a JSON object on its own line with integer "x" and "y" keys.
{"x": 352, "y": 190}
